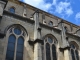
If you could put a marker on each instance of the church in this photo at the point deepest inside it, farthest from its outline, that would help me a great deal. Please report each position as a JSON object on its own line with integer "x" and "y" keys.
{"x": 29, "y": 33}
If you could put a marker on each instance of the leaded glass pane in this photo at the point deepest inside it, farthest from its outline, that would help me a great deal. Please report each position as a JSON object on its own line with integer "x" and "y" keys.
{"x": 20, "y": 48}
{"x": 50, "y": 23}
{"x": 20, "y": 40}
{"x": 12, "y": 10}
{"x": 12, "y": 39}
{"x": 48, "y": 57}
{"x": 72, "y": 46}
{"x": 10, "y": 55}
{"x": 11, "y": 46}
{"x": 50, "y": 40}
{"x": 54, "y": 52}
{"x": 19, "y": 56}
{"x": 17, "y": 31}
{"x": 77, "y": 56}
{"x": 72, "y": 53}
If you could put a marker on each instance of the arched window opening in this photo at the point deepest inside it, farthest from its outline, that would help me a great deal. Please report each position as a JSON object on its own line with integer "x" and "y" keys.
{"x": 17, "y": 31}
{"x": 65, "y": 29}
{"x": 74, "y": 52}
{"x": 50, "y": 23}
{"x": 15, "y": 45}
{"x": 48, "y": 56}
{"x": 50, "y": 40}
{"x": 50, "y": 48}
{"x": 20, "y": 46}
{"x": 10, "y": 47}
{"x": 12, "y": 10}
{"x": 54, "y": 52}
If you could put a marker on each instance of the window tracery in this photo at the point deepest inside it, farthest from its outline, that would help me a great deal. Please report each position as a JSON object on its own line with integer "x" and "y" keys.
{"x": 50, "y": 23}
{"x": 15, "y": 46}
{"x": 12, "y": 10}
{"x": 50, "y": 48}
{"x": 74, "y": 52}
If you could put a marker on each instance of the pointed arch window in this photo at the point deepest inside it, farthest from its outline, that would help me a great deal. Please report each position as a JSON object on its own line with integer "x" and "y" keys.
{"x": 65, "y": 29}
{"x": 11, "y": 47}
{"x": 74, "y": 52}
{"x": 15, "y": 46}
{"x": 50, "y": 23}
{"x": 12, "y": 10}
{"x": 50, "y": 48}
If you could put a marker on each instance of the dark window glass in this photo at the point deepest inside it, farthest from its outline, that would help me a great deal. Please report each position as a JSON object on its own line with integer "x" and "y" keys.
{"x": 50, "y": 23}
{"x": 10, "y": 55}
{"x": 20, "y": 40}
{"x": 12, "y": 10}
{"x": 10, "y": 47}
{"x": 20, "y": 46}
{"x": 72, "y": 53}
{"x": 17, "y": 31}
{"x": 12, "y": 39}
{"x": 66, "y": 29}
{"x": 77, "y": 56}
{"x": 48, "y": 57}
{"x": 50, "y": 40}
{"x": 19, "y": 56}
{"x": 72, "y": 46}
{"x": 54, "y": 52}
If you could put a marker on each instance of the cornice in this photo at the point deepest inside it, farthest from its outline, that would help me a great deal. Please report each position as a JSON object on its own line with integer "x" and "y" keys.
{"x": 25, "y": 19}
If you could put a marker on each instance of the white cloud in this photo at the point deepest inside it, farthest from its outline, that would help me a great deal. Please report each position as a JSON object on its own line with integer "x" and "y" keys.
{"x": 39, "y": 4}
{"x": 69, "y": 12}
{"x": 54, "y": 2}
{"x": 77, "y": 17}
{"x": 64, "y": 8}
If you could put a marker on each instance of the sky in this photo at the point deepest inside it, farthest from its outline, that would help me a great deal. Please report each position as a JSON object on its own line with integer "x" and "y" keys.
{"x": 66, "y": 9}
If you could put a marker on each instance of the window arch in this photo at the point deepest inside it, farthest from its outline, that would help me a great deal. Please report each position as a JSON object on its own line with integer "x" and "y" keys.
{"x": 49, "y": 48}
{"x": 10, "y": 47}
{"x": 74, "y": 51}
{"x": 15, "y": 46}
{"x": 50, "y": 23}
{"x": 65, "y": 29}
{"x": 12, "y": 10}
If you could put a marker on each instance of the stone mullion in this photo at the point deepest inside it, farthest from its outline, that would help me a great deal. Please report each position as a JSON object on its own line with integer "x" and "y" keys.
{"x": 51, "y": 51}
{"x": 15, "y": 48}
{"x": 44, "y": 51}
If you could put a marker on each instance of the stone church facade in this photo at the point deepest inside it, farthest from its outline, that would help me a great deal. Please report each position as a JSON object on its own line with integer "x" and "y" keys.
{"x": 28, "y": 33}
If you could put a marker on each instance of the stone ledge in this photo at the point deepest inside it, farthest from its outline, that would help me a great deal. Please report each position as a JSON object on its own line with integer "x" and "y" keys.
{"x": 36, "y": 41}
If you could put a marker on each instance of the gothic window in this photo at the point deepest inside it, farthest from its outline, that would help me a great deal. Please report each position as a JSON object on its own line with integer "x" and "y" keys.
{"x": 12, "y": 10}
{"x": 66, "y": 29}
{"x": 50, "y": 23}
{"x": 74, "y": 52}
{"x": 15, "y": 46}
{"x": 49, "y": 50}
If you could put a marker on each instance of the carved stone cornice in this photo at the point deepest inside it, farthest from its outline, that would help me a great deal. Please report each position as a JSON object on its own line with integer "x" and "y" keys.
{"x": 35, "y": 41}
{"x": 62, "y": 49}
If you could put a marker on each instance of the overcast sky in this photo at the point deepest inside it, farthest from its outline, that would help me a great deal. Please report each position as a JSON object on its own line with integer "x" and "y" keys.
{"x": 66, "y": 9}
